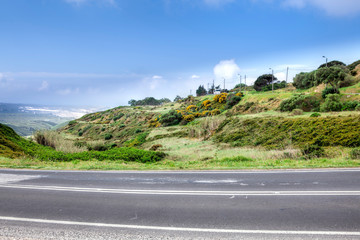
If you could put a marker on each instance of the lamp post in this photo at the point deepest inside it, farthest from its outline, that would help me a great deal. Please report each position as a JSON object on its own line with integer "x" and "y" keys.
{"x": 240, "y": 81}
{"x": 272, "y": 79}
{"x": 326, "y": 59}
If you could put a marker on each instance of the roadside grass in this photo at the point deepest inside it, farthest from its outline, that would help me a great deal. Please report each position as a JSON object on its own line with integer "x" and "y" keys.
{"x": 214, "y": 164}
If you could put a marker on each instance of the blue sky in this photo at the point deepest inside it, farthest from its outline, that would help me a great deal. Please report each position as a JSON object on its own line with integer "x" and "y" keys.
{"x": 106, "y": 52}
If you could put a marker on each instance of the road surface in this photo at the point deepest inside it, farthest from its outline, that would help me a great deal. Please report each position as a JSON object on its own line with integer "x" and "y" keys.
{"x": 286, "y": 204}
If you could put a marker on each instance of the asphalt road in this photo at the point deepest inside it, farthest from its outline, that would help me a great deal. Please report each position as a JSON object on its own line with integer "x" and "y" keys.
{"x": 302, "y": 204}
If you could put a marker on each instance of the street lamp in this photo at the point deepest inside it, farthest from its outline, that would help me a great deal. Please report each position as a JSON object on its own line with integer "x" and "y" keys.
{"x": 272, "y": 79}
{"x": 240, "y": 80}
{"x": 326, "y": 60}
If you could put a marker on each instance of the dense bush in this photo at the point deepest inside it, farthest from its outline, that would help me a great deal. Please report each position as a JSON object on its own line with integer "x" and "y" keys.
{"x": 148, "y": 101}
{"x": 312, "y": 151}
{"x": 263, "y": 81}
{"x": 332, "y": 63}
{"x": 350, "y": 105}
{"x": 332, "y": 103}
{"x": 108, "y": 136}
{"x": 304, "y": 80}
{"x": 276, "y": 85}
{"x": 281, "y": 133}
{"x": 327, "y": 91}
{"x": 125, "y": 154}
{"x": 22, "y": 147}
{"x": 137, "y": 140}
{"x": 300, "y": 101}
{"x": 232, "y": 100}
{"x": 220, "y": 98}
{"x": 171, "y": 118}
{"x": 352, "y": 66}
{"x": 355, "y": 153}
{"x": 315, "y": 114}
{"x": 334, "y": 76}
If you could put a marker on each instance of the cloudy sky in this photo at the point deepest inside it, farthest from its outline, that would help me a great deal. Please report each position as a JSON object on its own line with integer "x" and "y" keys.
{"x": 106, "y": 52}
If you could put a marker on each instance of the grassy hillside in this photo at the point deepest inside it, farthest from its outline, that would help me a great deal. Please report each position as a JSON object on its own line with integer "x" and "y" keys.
{"x": 285, "y": 128}
{"x": 14, "y": 146}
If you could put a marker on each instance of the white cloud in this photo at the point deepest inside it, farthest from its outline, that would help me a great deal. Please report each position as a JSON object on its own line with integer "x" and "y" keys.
{"x": 331, "y": 7}
{"x": 157, "y": 77}
{"x": 280, "y": 76}
{"x": 44, "y": 86}
{"x": 195, "y": 76}
{"x": 227, "y": 69}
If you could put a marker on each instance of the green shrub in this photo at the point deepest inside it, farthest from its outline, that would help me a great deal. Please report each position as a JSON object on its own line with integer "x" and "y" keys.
{"x": 355, "y": 153}
{"x": 275, "y": 133}
{"x": 138, "y": 130}
{"x": 357, "y": 108}
{"x": 350, "y": 105}
{"x": 332, "y": 103}
{"x": 327, "y": 91}
{"x": 296, "y": 112}
{"x": 120, "y": 115}
{"x": 137, "y": 141}
{"x": 315, "y": 114}
{"x": 232, "y": 100}
{"x": 312, "y": 151}
{"x": 171, "y": 118}
{"x": 300, "y": 101}
{"x": 108, "y": 136}
{"x": 155, "y": 147}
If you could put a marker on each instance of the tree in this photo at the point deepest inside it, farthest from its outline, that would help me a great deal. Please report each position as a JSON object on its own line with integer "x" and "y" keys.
{"x": 177, "y": 98}
{"x": 304, "y": 80}
{"x": 263, "y": 81}
{"x": 332, "y": 63}
{"x": 242, "y": 85}
{"x": 212, "y": 89}
{"x": 164, "y": 100}
{"x": 201, "y": 91}
{"x": 334, "y": 76}
{"x": 132, "y": 102}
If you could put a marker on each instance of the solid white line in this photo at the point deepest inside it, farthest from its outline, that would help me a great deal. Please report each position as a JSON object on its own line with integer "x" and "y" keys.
{"x": 184, "y": 192}
{"x": 208, "y": 230}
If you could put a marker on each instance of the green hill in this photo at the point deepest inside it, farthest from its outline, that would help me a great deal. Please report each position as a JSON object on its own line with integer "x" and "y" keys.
{"x": 213, "y": 130}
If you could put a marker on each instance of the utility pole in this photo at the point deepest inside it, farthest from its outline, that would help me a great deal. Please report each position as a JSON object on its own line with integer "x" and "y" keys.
{"x": 208, "y": 87}
{"x": 287, "y": 74}
{"x": 245, "y": 86}
{"x": 272, "y": 79}
{"x": 240, "y": 83}
{"x": 190, "y": 92}
{"x": 224, "y": 83}
{"x": 326, "y": 60}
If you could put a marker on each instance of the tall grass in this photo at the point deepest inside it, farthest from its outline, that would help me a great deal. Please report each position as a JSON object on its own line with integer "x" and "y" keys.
{"x": 56, "y": 141}
{"x": 205, "y": 128}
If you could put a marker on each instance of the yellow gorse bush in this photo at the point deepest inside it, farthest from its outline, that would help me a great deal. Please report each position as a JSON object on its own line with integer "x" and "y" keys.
{"x": 191, "y": 108}
{"x": 206, "y": 104}
{"x": 220, "y": 98}
{"x": 189, "y": 118}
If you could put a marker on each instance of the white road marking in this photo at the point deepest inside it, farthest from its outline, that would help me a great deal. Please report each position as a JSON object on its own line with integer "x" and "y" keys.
{"x": 208, "y": 230}
{"x": 11, "y": 178}
{"x": 184, "y": 192}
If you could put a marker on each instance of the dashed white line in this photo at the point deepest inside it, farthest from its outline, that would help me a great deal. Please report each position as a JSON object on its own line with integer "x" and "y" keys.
{"x": 207, "y": 230}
